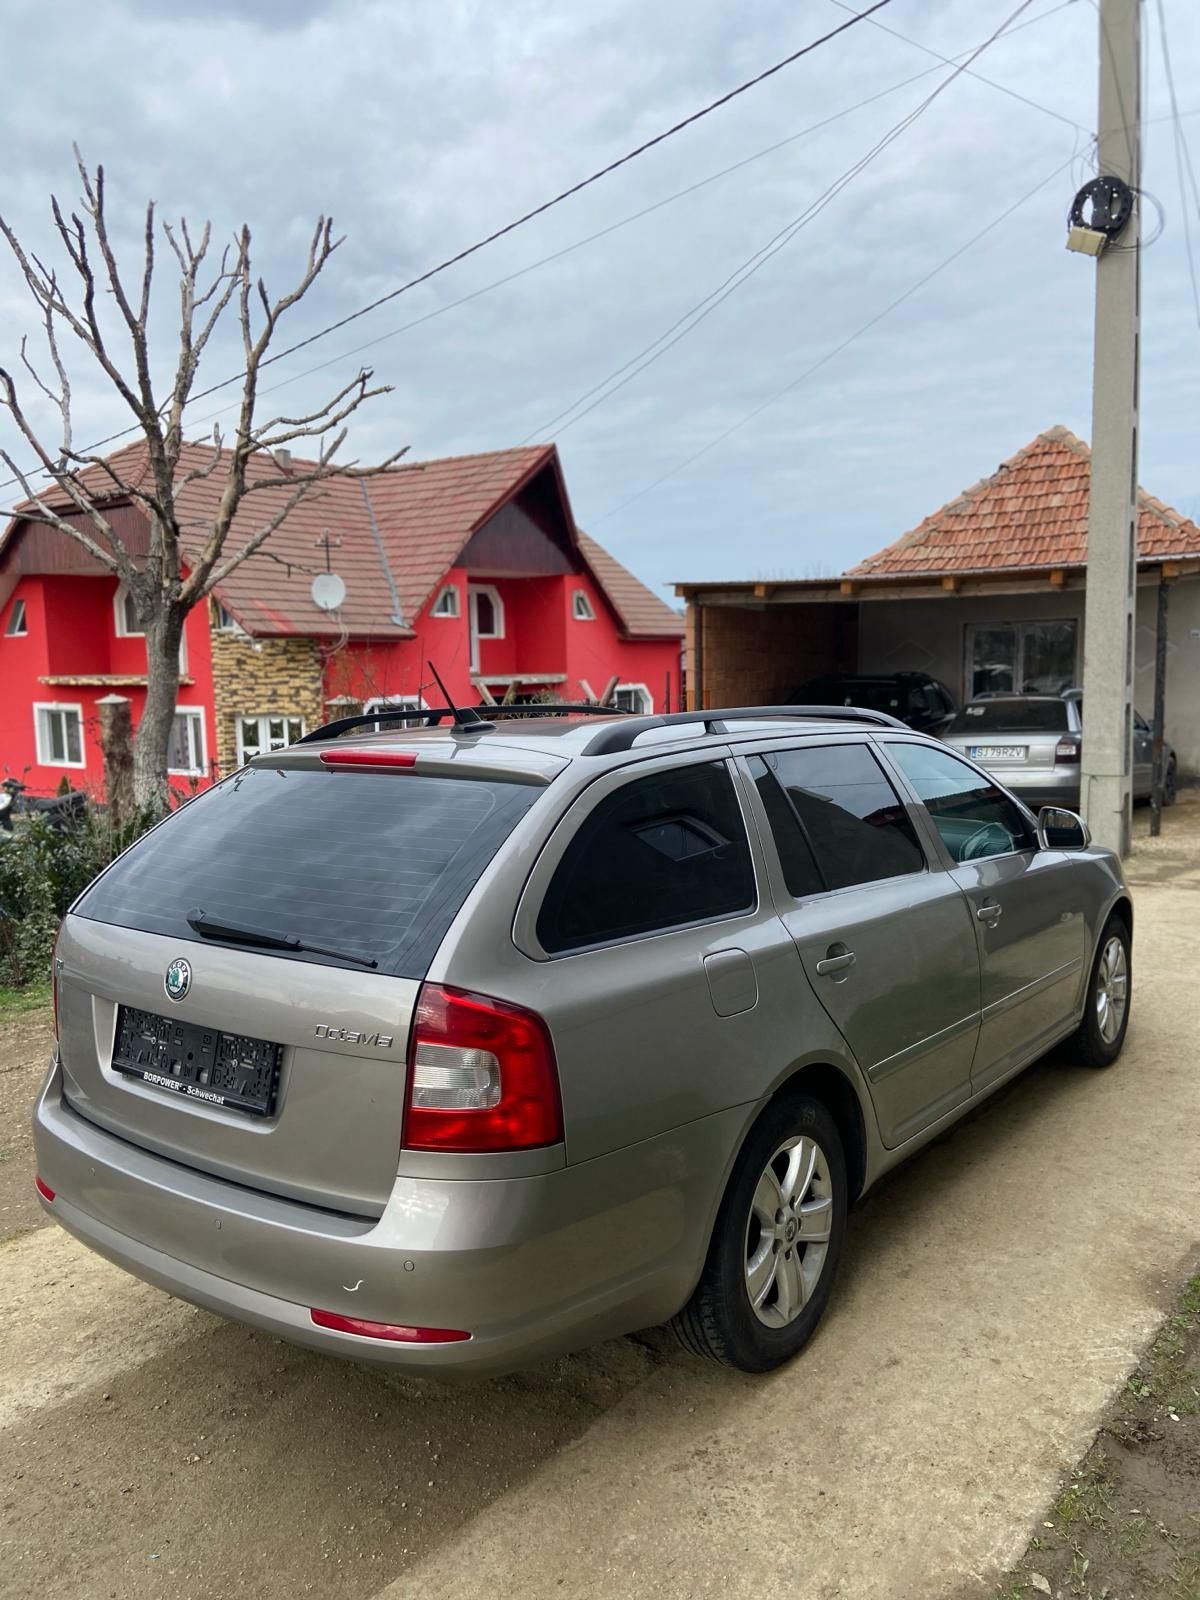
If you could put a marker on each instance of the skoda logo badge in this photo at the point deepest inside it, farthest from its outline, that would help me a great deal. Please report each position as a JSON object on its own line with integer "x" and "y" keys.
{"x": 178, "y": 979}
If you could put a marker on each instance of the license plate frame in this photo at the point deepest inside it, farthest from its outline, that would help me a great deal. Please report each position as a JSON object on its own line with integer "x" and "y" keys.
{"x": 212, "y": 1065}
{"x": 997, "y": 752}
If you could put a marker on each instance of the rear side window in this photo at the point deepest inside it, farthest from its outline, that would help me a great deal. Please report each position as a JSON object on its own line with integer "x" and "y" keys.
{"x": 660, "y": 852}
{"x": 840, "y": 815}
{"x": 372, "y": 864}
{"x": 1012, "y": 716}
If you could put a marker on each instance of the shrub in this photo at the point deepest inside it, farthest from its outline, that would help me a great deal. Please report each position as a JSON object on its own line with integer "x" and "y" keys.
{"x": 42, "y": 871}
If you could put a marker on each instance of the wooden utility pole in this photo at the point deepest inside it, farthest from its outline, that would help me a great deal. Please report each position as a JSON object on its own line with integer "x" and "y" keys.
{"x": 1112, "y": 514}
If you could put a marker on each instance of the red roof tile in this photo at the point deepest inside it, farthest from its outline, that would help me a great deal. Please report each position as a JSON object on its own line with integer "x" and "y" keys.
{"x": 1032, "y": 512}
{"x": 407, "y": 525}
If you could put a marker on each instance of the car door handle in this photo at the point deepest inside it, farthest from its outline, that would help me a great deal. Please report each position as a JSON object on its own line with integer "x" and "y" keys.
{"x": 833, "y": 964}
{"x": 989, "y": 914}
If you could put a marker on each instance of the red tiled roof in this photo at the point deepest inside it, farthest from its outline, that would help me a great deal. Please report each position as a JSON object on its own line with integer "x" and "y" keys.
{"x": 644, "y": 615}
{"x": 1031, "y": 513}
{"x": 407, "y": 524}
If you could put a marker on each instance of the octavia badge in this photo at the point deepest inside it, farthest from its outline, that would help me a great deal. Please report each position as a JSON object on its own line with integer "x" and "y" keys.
{"x": 178, "y": 979}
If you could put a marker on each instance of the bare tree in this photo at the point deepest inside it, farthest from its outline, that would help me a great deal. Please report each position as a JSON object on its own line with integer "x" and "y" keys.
{"x": 166, "y": 582}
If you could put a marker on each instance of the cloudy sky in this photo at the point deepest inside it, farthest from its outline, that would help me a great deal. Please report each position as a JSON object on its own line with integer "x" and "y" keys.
{"x": 423, "y": 126}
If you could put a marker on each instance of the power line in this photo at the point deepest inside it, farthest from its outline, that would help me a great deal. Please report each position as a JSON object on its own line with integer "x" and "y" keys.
{"x": 1183, "y": 158}
{"x": 691, "y": 319}
{"x": 837, "y": 349}
{"x": 528, "y": 216}
{"x": 991, "y": 82}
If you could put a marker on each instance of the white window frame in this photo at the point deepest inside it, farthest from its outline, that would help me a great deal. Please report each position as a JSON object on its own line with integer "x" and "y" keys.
{"x": 44, "y": 757}
{"x": 18, "y": 615}
{"x": 394, "y": 702}
{"x": 648, "y": 699}
{"x": 120, "y": 622}
{"x": 195, "y": 715}
{"x": 225, "y": 621}
{"x": 453, "y": 607}
{"x": 474, "y": 590}
{"x": 264, "y": 745}
{"x": 582, "y": 609}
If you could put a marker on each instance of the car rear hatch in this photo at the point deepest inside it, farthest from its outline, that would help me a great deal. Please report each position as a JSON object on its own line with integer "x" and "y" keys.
{"x": 182, "y": 1030}
{"x": 1008, "y": 736}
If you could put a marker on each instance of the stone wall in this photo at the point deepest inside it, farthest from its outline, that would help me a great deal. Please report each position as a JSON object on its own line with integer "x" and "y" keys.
{"x": 261, "y": 677}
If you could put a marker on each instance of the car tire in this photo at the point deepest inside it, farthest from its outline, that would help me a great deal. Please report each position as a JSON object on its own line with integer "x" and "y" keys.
{"x": 1171, "y": 783}
{"x": 1100, "y": 1037}
{"x": 779, "y": 1244}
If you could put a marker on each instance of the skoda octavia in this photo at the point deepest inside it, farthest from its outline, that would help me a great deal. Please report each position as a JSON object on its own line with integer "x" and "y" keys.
{"x": 457, "y": 1047}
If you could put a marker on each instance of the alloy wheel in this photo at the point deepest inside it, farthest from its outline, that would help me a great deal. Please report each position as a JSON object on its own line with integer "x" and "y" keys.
{"x": 1112, "y": 989}
{"x": 788, "y": 1231}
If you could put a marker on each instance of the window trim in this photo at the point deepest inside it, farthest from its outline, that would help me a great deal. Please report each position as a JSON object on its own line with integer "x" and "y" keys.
{"x": 580, "y": 806}
{"x": 194, "y": 714}
{"x": 394, "y": 702}
{"x": 582, "y": 609}
{"x": 224, "y": 622}
{"x": 44, "y": 758}
{"x": 123, "y": 631}
{"x": 446, "y": 592}
{"x": 498, "y": 616}
{"x": 262, "y": 716}
{"x": 929, "y": 830}
{"x": 18, "y": 612}
{"x": 645, "y": 689}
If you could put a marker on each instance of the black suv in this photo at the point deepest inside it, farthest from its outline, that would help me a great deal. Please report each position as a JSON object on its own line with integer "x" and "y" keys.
{"x": 916, "y": 698}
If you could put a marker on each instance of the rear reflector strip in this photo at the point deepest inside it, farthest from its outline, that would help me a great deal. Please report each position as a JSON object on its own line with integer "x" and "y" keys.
{"x": 44, "y": 1189}
{"x": 368, "y": 758}
{"x": 386, "y": 1330}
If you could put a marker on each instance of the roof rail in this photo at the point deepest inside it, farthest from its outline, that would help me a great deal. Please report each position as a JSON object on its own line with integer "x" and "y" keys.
{"x": 611, "y": 740}
{"x": 431, "y": 718}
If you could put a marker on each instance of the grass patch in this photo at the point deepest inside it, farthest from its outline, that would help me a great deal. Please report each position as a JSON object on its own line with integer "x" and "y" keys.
{"x": 1185, "y": 1579}
{"x": 1087, "y": 1498}
{"x": 30, "y": 997}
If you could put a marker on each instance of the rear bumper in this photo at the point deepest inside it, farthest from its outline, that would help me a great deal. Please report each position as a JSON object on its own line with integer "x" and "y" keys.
{"x": 1043, "y": 786}
{"x": 529, "y": 1267}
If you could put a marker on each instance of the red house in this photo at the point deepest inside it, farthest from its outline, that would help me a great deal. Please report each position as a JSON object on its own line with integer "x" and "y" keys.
{"x": 472, "y": 562}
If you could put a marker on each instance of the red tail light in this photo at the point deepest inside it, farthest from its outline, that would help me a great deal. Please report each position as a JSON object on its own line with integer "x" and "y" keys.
{"x": 368, "y": 758}
{"x": 44, "y": 1189}
{"x": 1066, "y": 753}
{"x": 386, "y": 1330}
{"x": 481, "y": 1076}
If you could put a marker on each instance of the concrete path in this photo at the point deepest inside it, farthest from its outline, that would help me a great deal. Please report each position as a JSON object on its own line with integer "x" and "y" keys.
{"x": 994, "y": 1294}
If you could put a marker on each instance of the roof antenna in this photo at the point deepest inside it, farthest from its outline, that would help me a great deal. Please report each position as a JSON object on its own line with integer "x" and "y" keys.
{"x": 464, "y": 716}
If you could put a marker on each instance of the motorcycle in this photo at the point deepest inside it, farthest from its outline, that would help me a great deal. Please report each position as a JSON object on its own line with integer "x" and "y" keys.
{"x": 61, "y": 811}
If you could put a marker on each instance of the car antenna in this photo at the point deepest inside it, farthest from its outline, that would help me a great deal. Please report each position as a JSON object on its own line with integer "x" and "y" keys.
{"x": 464, "y": 716}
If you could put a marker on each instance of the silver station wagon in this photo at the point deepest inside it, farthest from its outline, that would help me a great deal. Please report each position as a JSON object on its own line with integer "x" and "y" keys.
{"x": 461, "y": 1046}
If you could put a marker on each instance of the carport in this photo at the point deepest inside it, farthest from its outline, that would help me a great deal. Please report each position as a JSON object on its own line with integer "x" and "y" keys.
{"x": 988, "y": 593}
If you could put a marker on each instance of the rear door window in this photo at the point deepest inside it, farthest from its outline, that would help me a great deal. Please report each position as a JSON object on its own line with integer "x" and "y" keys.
{"x": 660, "y": 852}
{"x": 840, "y": 818}
{"x": 373, "y": 864}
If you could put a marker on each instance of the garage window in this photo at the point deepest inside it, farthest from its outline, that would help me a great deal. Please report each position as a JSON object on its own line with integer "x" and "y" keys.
{"x": 661, "y": 852}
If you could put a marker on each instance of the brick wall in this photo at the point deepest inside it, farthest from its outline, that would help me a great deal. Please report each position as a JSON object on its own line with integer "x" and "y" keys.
{"x": 755, "y": 655}
{"x": 262, "y": 677}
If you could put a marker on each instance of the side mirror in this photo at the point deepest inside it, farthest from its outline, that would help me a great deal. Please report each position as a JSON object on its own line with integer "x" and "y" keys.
{"x": 1058, "y": 829}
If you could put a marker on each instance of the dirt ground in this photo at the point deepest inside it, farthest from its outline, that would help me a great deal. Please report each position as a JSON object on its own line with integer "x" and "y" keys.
{"x": 995, "y": 1294}
{"x": 26, "y": 1035}
{"x": 1126, "y": 1523}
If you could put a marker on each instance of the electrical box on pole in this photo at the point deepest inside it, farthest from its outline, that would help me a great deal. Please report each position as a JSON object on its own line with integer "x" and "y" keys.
{"x": 1108, "y": 207}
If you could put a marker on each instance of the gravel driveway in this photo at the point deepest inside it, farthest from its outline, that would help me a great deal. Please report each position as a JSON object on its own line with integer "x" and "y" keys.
{"x": 994, "y": 1294}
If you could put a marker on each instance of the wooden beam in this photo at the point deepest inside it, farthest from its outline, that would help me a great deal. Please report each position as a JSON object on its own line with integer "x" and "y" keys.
{"x": 762, "y": 591}
{"x": 950, "y": 583}
{"x": 848, "y": 586}
{"x": 1058, "y": 578}
{"x": 1170, "y": 569}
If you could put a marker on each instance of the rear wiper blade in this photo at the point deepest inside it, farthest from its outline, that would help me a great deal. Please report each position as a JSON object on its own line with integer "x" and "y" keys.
{"x": 218, "y": 928}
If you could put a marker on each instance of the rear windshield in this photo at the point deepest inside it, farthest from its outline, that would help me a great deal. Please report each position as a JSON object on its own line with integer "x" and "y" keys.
{"x": 375, "y": 865}
{"x": 1012, "y": 716}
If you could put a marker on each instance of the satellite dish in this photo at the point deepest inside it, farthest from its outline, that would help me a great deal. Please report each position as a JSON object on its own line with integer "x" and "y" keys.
{"x": 328, "y": 591}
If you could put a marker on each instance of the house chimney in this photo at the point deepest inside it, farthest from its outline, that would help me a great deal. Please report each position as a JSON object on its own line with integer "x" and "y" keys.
{"x": 283, "y": 459}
